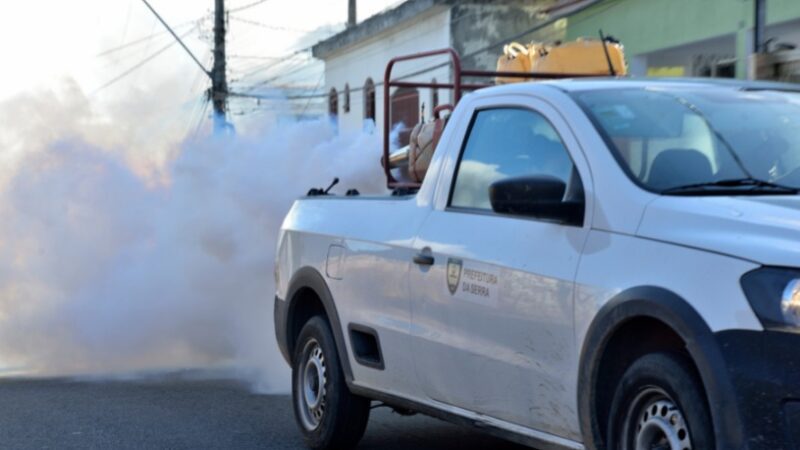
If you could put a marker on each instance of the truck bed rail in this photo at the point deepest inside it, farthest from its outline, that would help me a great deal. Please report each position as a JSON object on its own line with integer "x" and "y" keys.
{"x": 457, "y": 86}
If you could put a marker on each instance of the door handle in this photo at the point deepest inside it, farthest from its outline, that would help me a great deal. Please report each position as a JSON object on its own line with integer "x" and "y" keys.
{"x": 423, "y": 259}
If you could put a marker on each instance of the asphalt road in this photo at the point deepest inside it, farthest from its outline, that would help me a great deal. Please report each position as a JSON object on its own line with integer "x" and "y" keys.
{"x": 179, "y": 413}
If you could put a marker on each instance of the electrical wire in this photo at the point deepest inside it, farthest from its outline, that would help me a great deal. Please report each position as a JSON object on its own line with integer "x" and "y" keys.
{"x": 142, "y": 39}
{"x": 268, "y": 27}
{"x": 127, "y": 22}
{"x": 177, "y": 38}
{"x": 267, "y": 66}
{"x": 248, "y": 6}
{"x": 272, "y": 58}
{"x": 319, "y": 82}
{"x": 138, "y": 65}
{"x": 301, "y": 67}
{"x": 202, "y": 117}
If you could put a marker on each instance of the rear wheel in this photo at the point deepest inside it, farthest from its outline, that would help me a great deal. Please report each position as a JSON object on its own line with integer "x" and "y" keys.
{"x": 660, "y": 405}
{"x": 329, "y": 416}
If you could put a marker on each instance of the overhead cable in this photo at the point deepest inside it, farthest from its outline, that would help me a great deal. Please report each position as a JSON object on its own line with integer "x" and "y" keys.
{"x": 264, "y": 25}
{"x": 137, "y": 66}
{"x": 163, "y": 22}
{"x": 140, "y": 40}
{"x": 248, "y": 6}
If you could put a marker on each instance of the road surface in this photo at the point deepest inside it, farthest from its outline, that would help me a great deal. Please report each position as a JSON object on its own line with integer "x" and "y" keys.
{"x": 180, "y": 413}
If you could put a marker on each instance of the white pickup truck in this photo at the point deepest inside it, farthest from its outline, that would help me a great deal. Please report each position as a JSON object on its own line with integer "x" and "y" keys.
{"x": 600, "y": 263}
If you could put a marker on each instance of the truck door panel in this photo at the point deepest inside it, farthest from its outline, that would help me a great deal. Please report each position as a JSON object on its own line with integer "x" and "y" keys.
{"x": 492, "y": 317}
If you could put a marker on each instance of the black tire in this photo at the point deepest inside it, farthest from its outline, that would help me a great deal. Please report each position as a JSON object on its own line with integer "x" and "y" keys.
{"x": 667, "y": 385}
{"x": 340, "y": 418}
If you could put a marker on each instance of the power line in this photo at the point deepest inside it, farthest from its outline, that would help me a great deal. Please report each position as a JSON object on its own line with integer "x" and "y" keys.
{"x": 137, "y": 66}
{"x": 321, "y": 76}
{"x": 203, "y": 106}
{"x": 268, "y": 27}
{"x": 301, "y": 67}
{"x": 194, "y": 58}
{"x": 127, "y": 22}
{"x": 267, "y": 66}
{"x": 219, "y": 85}
{"x": 140, "y": 40}
{"x": 275, "y": 62}
{"x": 248, "y": 6}
{"x": 202, "y": 116}
{"x": 255, "y": 57}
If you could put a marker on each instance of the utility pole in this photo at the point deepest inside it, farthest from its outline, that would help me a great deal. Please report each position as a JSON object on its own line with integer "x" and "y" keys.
{"x": 218, "y": 94}
{"x": 219, "y": 83}
{"x": 351, "y": 13}
{"x": 758, "y": 64}
{"x": 759, "y": 26}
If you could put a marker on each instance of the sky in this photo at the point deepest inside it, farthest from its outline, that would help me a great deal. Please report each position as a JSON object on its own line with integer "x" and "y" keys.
{"x": 53, "y": 40}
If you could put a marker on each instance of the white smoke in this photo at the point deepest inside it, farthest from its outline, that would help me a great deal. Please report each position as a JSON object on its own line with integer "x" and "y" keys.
{"x": 119, "y": 259}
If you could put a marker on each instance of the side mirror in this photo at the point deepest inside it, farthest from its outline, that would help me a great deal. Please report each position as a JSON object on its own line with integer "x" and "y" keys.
{"x": 536, "y": 196}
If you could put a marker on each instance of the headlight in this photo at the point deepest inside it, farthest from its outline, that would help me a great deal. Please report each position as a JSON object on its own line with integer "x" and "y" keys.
{"x": 790, "y": 302}
{"x": 774, "y": 295}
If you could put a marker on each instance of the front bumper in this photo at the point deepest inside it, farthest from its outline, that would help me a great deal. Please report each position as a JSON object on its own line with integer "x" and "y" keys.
{"x": 280, "y": 316}
{"x": 764, "y": 367}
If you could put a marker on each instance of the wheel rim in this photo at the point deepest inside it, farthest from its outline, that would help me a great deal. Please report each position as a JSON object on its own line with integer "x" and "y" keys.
{"x": 311, "y": 385}
{"x": 655, "y": 422}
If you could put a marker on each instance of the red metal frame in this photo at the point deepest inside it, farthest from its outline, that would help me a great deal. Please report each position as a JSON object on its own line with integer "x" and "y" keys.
{"x": 457, "y": 86}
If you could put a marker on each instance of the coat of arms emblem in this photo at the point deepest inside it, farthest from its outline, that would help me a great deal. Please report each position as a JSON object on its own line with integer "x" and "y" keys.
{"x": 453, "y": 274}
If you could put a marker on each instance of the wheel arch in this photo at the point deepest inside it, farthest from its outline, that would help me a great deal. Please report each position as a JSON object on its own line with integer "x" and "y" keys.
{"x": 306, "y": 287}
{"x": 649, "y": 303}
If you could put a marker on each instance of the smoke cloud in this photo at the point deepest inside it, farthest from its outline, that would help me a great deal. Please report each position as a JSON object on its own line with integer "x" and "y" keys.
{"x": 124, "y": 255}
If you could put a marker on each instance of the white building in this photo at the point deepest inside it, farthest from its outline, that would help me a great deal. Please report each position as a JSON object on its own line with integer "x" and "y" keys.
{"x": 355, "y": 59}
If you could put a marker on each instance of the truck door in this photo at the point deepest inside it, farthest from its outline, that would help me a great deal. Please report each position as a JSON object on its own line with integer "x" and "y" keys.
{"x": 492, "y": 294}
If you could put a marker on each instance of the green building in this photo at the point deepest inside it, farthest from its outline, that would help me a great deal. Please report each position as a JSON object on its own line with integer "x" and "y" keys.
{"x": 688, "y": 37}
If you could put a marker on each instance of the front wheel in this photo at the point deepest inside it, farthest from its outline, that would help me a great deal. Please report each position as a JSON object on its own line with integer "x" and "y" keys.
{"x": 329, "y": 416}
{"x": 660, "y": 404}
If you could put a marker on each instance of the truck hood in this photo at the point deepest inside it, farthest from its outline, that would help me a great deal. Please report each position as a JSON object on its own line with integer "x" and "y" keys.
{"x": 762, "y": 229}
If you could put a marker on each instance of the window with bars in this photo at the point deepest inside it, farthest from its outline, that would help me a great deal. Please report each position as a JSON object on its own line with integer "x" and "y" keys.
{"x": 369, "y": 100}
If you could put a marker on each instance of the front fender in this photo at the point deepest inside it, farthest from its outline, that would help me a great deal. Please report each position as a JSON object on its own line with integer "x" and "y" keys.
{"x": 667, "y": 307}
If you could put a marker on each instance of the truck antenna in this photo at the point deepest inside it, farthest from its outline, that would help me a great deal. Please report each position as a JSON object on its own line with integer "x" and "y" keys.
{"x": 334, "y": 183}
{"x": 608, "y": 57}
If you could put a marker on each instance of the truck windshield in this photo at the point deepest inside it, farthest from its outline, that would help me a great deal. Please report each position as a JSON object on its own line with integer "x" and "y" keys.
{"x": 703, "y": 141}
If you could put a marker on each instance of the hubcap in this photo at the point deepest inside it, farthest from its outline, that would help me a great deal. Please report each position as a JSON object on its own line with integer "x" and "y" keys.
{"x": 311, "y": 385}
{"x": 655, "y": 422}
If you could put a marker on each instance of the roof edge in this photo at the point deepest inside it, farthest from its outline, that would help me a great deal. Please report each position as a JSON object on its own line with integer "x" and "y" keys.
{"x": 567, "y": 7}
{"x": 374, "y": 25}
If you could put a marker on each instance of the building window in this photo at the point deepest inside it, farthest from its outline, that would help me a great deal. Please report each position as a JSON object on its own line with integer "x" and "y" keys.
{"x": 405, "y": 111}
{"x": 346, "y": 106}
{"x": 369, "y": 100}
{"x": 333, "y": 103}
{"x": 434, "y": 96}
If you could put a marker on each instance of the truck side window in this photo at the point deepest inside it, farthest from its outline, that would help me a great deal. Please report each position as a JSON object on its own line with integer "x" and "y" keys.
{"x": 503, "y": 143}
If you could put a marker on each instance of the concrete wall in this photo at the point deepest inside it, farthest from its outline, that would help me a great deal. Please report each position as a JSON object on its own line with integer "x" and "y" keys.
{"x": 648, "y": 26}
{"x": 354, "y": 64}
{"x": 477, "y": 25}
